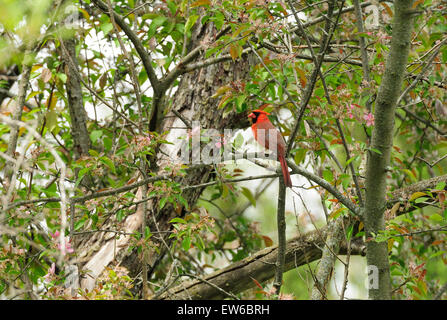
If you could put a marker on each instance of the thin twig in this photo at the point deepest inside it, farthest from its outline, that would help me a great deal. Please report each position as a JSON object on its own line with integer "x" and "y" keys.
{"x": 133, "y": 73}
{"x": 410, "y": 234}
{"x": 229, "y": 294}
{"x": 313, "y": 78}
{"x": 363, "y": 52}
{"x": 289, "y": 95}
{"x": 431, "y": 165}
{"x": 93, "y": 91}
{"x": 423, "y": 71}
{"x": 141, "y": 50}
{"x": 426, "y": 122}
{"x": 351, "y": 166}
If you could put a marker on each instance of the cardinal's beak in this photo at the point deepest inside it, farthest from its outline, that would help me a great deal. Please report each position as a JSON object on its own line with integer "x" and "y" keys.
{"x": 252, "y": 115}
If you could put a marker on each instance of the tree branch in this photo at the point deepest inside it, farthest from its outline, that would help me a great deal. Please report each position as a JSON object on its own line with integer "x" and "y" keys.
{"x": 325, "y": 39}
{"x": 144, "y": 55}
{"x": 281, "y": 226}
{"x": 363, "y": 52}
{"x": 260, "y": 266}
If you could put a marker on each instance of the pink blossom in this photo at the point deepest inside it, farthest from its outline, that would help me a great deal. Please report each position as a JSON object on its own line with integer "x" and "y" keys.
{"x": 350, "y": 108}
{"x": 142, "y": 141}
{"x": 369, "y": 118}
{"x": 219, "y": 144}
{"x": 271, "y": 291}
{"x": 286, "y": 296}
{"x": 55, "y": 235}
{"x": 68, "y": 247}
{"x": 51, "y": 272}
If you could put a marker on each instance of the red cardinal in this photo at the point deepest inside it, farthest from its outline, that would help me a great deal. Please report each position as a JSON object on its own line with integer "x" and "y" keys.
{"x": 260, "y": 120}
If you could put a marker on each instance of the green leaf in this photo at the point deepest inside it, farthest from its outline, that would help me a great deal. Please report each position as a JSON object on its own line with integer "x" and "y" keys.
{"x": 78, "y": 225}
{"x": 95, "y": 135}
{"x": 434, "y": 255}
{"x": 218, "y": 19}
{"x": 328, "y": 175}
{"x": 93, "y": 153}
{"x": 211, "y": 51}
{"x": 186, "y": 243}
{"x": 239, "y": 101}
{"x": 200, "y": 244}
{"x": 108, "y": 162}
{"x": 436, "y": 217}
{"x": 63, "y": 77}
{"x": 421, "y": 199}
{"x": 163, "y": 202}
{"x": 106, "y": 28}
{"x": 345, "y": 180}
{"x": 107, "y": 144}
{"x": 352, "y": 159}
{"x": 147, "y": 232}
{"x": 375, "y": 150}
{"x": 51, "y": 119}
{"x": 349, "y": 232}
{"x": 81, "y": 174}
{"x": 177, "y": 220}
{"x": 247, "y": 193}
{"x": 120, "y": 215}
{"x": 300, "y": 155}
{"x": 238, "y": 141}
{"x": 182, "y": 201}
{"x": 156, "y": 22}
{"x": 190, "y": 22}
{"x": 440, "y": 186}
{"x": 142, "y": 77}
{"x": 172, "y": 6}
{"x": 152, "y": 194}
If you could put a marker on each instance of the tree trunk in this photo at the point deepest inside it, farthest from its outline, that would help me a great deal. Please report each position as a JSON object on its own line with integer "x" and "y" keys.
{"x": 193, "y": 101}
{"x": 17, "y": 116}
{"x": 382, "y": 142}
{"x": 81, "y": 137}
{"x": 10, "y": 76}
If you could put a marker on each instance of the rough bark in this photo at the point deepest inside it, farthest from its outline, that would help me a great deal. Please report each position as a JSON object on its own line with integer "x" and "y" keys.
{"x": 17, "y": 115}
{"x": 382, "y": 140}
{"x": 10, "y": 76}
{"x": 331, "y": 248}
{"x": 193, "y": 102}
{"x": 81, "y": 137}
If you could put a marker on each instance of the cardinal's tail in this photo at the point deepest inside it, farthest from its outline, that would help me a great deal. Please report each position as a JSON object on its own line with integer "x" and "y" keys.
{"x": 285, "y": 171}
